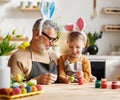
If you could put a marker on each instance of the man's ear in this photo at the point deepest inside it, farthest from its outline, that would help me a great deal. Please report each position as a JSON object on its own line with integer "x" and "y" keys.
{"x": 67, "y": 41}
{"x": 36, "y": 34}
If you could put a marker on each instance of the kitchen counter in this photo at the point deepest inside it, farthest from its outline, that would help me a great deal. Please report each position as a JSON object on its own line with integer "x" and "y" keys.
{"x": 102, "y": 57}
{"x": 107, "y": 66}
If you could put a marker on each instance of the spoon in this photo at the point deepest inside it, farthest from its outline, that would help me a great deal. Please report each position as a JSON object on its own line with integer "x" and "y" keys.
{"x": 94, "y": 15}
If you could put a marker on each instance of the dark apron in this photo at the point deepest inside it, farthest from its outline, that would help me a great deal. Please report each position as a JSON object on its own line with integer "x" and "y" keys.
{"x": 39, "y": 68}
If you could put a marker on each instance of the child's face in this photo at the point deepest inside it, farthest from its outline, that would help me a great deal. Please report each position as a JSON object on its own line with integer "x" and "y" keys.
{"x": 75, "y": 47}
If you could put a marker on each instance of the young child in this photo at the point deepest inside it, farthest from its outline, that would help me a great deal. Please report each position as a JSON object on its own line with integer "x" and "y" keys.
{"x": 74, "y": 63}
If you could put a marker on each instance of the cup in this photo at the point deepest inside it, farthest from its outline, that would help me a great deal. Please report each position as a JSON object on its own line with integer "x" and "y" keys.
{"x": 22, "y": 4}
{"x": 30, "y": 4}
{"x": 38, "y": 4}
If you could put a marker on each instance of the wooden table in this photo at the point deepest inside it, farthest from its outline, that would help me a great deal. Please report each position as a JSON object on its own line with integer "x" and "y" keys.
{"x": 73, "y": 91}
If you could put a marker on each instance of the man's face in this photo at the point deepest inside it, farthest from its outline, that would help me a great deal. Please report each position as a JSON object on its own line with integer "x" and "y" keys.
{"x": 48, "y": 39}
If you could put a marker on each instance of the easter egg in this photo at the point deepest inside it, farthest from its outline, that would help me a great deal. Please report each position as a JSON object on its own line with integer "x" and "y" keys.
{"x": 80, "y": 81}
{"x": 9, "y": 91}
{"x": 24, "y": 90}
{"x": 29, "y": 89}
{"x": 16, "y": 91}
{"x": 39, "y": 87}
{"x": 71, "y": 78}
{"x": 15, "y": 85}
{"x": 34, "y": 88}
{"x": 18, "y": 78}
{"x": 3, "y": 91}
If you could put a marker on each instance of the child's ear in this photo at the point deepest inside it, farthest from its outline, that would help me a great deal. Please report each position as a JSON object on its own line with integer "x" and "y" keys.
{"x": 85, "y": 43}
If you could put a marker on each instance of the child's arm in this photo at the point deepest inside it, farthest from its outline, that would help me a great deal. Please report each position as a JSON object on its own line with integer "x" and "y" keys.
{"x": 62, "y": 75}
{"x": 86, "y": 67}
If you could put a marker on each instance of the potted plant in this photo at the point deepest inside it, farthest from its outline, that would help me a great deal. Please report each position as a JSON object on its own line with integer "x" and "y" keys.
{"x": 5, "y": 49}
{"x": 92, "y": 38}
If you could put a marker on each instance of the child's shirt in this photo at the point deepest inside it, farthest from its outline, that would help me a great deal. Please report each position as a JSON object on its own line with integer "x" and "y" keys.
{"x": 69, "y": 66}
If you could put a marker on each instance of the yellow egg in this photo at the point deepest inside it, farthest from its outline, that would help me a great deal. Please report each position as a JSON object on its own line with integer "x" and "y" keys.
{"x": 18, "y": 78}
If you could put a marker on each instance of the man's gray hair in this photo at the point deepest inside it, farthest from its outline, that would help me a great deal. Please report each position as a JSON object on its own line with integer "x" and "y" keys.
{"x": 44, "y": 25}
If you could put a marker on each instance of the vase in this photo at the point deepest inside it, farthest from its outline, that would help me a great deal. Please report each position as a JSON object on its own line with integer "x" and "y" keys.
{"x": 92, "y": 49}
{"x": 4, "y": 73}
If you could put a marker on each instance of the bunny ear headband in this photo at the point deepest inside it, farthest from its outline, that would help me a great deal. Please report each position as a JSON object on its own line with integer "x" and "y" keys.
{"x": 47, "y": 10}
{"x": 80, "y": 26}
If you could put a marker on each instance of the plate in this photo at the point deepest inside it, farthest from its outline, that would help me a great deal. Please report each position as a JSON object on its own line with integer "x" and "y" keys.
{"x": 20, "y": 95}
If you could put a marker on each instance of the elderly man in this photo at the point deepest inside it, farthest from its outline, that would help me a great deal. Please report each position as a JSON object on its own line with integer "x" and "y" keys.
{"x": 38, "y": 61}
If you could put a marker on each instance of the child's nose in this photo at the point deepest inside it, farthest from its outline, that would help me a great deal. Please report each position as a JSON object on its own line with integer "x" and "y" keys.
{"x": 74, "y": 49}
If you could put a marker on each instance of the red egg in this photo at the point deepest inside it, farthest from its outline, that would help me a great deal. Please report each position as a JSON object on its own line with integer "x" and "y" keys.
{"x": 80, "y": 81}
{"x": 16, "y": 91}
{"x": 39, "y": 87}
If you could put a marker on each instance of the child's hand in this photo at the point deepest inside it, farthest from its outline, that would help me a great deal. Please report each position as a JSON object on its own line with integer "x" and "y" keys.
{"x": 79, "y": 74}
{"x": 92, "y": 78}
{"x": 67, "y": 79}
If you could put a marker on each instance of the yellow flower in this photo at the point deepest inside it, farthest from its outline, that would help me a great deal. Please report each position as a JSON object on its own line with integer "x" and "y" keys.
{"x": 14, "y": 32}
{"x": 9, "y": 36}
{"x": 24, "y": 45}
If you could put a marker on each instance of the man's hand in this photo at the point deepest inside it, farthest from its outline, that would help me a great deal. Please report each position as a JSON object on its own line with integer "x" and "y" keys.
{"x": 47, "y": 78}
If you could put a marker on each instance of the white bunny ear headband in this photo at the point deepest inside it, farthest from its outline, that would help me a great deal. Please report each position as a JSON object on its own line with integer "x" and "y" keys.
{"x": 80, "y": 26}
{"x": 47, "y": 10}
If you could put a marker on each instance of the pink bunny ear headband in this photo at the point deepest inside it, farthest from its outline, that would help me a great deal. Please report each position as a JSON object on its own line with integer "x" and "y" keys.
{"x": 80, "y": 27}
{"x": 47, "y": 10}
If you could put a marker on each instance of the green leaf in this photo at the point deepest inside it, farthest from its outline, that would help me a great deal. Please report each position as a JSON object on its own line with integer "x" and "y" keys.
{"x": 6, "y": 47}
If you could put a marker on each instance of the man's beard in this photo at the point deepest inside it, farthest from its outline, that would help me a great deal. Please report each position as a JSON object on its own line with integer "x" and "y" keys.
{"x": 42, "y": 47}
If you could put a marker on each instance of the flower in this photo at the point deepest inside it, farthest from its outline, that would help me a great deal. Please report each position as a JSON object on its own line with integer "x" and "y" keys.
{"x": 24, "y": 45}
{"x": 93, "y": 37}
{"x": 5, "y": 46}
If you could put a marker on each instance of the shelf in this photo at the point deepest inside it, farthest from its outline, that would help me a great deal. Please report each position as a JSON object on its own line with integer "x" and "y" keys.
{"x": 30, "y": 9}
{"x": 16, "y": 39}
{"x": 4, "y": 0}
{"x": 111, "y": 28}
{"x": 111, "y": 10}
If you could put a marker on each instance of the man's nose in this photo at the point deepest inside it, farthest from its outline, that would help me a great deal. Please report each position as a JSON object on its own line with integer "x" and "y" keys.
{"x": 52, "y": 43}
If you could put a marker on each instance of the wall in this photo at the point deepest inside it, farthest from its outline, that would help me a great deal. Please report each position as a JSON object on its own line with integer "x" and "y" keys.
{"x": 67, "y": 11}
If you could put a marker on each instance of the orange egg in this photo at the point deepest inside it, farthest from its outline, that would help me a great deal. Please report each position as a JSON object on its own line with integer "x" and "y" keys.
{"x": 34, "y": 88}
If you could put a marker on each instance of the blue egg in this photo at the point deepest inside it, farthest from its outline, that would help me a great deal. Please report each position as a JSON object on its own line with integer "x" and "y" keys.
{"x": 14, "y": 86}
{"x": 29, "y": 89}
